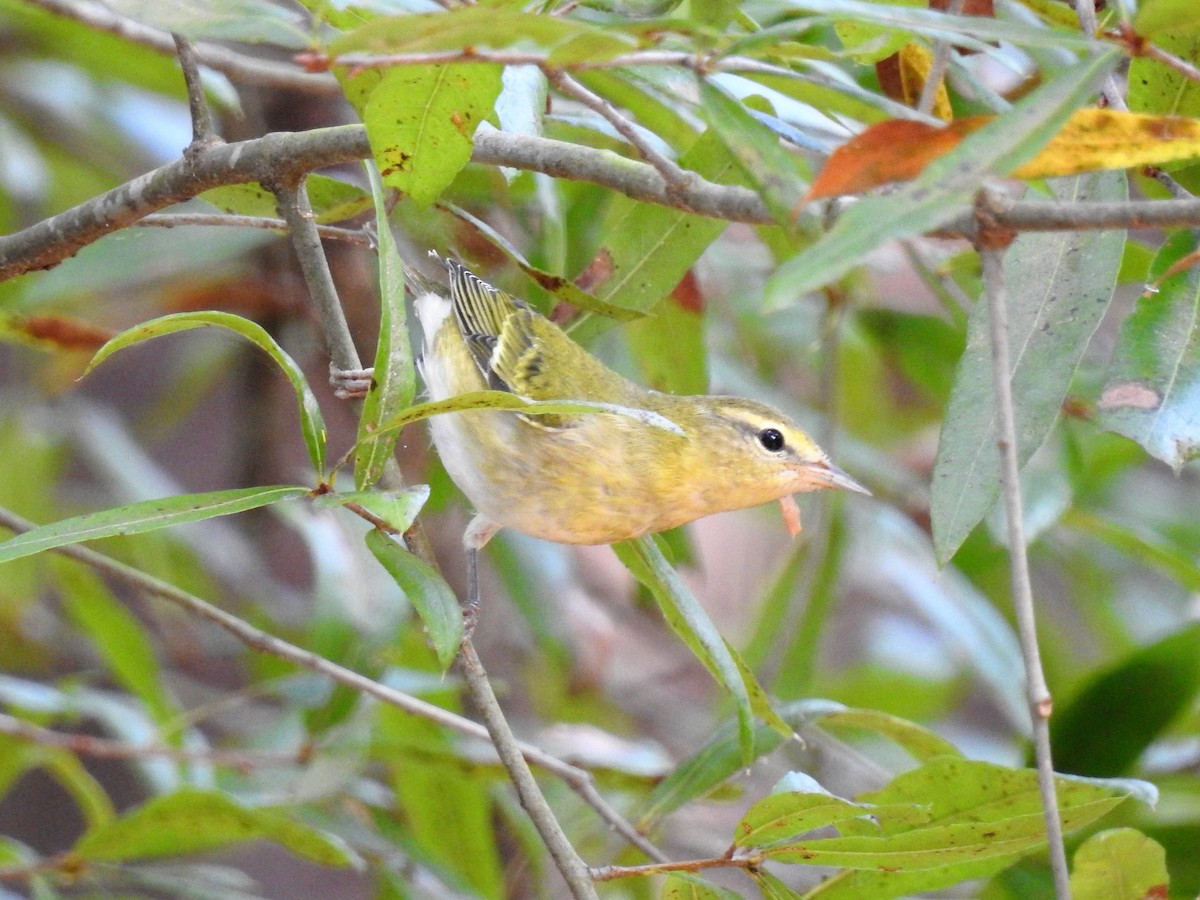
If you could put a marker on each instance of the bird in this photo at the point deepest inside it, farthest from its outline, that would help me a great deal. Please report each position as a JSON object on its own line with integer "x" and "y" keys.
{"x": 590, "y": 477}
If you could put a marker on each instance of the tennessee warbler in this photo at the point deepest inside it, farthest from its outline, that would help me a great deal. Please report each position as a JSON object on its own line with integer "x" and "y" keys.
{"x": 592, "y": 478}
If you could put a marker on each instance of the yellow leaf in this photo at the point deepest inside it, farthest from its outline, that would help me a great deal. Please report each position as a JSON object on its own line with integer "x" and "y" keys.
{"x": 1096, "y": 139}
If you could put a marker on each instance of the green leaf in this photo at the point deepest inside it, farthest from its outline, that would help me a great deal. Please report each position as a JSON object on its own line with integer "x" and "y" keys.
{"x": 1058, "y": 289}
{"x": 1159, "y": 89}
{"x": 426, "y": 590}
{"x": 1152, "y": 392}
{"x": 394, "y": 383}
{"x": 689, "y": 620}
{"x": 192, "y": 821}
{"x": 143, "y": 516}
{"x": 685, "y": 886}
{"x": 1120, "y": 864}
{"x": 331, "y": 200}
{"x": 1136, "y": 699}
{"x": 1154, "y": 17}
{"x": 312, "y": 424}
{"x": 398, "y": 508}
{"x": 771, "y": 887}
{"x": 764, "y": 162}
{"x": 421, "y": 121}
{"x": 946, "y": 188}
{"x": 502, "y": 400}
{"x": 669, "y": 346}
{"x": 485, "y": 25}
{"x": 119, "y": 637}
{"x": 778, "y": 817}
{"x": 645, "y": 250}
{"x": 920, "y": 742}
{"x": 562, "y": 289}
{"x": 976, "y": 810}
{"x": 244, "y": 21}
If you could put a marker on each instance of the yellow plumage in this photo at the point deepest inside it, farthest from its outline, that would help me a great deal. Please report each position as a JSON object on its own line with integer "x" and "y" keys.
{"x": 592, "y": 478}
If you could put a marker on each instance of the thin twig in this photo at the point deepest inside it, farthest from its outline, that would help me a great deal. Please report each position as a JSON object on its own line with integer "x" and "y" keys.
{"x": 306, "y": 241}
{"x": 577, "y": 779}
{"x": 203, "y": 132}
{"x": 266, "y": 223}
{"x": 566, "y": 859}
{"x": 1085, "y": 11}
{"x": 1182, "y": 66}
{"x": 237, "y": 66}
{"x": 937, "y": 69}
{"x": 105, "y": 748}
{"x": 991, "y": 245}
{"x": 676, "y": 178}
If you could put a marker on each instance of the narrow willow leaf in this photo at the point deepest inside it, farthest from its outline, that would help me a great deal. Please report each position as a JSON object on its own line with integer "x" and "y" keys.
{"x": 1120, "y": 864}
{"x": 645, "y": 250}
{"x": 502, "y": 400}
{"x": 1153, "y": 389}
{"x": 118, "y": 636}
{"x": 143, "y": 516}
{"x": 394, "y": 382}
{"x": 561, "y": 288}
{"x": 778, "y": 817}
{"x": 312, "y": 424}
{"x": 1136, "y": 698}
{"x": 421, "y": 121}
{"x": 976, "y": 810}
{"x": 763, "y": 160}
{"x": 398, "y": 508}
{"x": 922, "y": 743}
{"x": 689, "y": 620}
{"x": 192, "y": 821}
{"x": 946, "y": 188}
{"x": 426, "y": 590}
{"x": 684, "y": 886}
{"x": 1059, "y": 287}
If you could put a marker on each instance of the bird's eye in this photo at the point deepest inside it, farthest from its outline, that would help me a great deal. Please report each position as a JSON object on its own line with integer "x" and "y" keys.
{"x": 771, "y": 439}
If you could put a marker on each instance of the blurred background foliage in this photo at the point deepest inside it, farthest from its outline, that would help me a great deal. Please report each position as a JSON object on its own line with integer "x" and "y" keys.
{"x": 857, "y": 611}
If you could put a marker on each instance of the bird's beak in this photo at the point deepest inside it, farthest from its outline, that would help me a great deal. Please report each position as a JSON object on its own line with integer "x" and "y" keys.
{"x": 827, "y": 475}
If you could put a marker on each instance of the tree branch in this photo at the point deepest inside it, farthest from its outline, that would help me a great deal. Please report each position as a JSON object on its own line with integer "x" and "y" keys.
{"x": 237, "y": 66}
{"x": 991, "y": 244}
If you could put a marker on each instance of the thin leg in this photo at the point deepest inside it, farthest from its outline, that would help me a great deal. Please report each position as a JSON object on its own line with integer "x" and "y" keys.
{"x": 478, "y": 533}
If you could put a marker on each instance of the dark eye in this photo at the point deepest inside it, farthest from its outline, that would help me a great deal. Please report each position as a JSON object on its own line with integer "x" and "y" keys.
{"x": 771, "y": 439}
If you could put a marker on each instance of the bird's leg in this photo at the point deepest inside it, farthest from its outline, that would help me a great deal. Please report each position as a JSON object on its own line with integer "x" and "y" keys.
{"x": 350, "y": 384}
{"x": 478, "y": 533}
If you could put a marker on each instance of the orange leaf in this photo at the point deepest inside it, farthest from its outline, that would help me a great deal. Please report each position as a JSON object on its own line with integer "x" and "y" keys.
{"x": 903, "y": 75}
{"x": 1091, "y": 140}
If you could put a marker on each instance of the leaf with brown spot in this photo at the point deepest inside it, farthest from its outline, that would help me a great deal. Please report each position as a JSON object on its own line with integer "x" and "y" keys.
{"x": 1092, "y": 140}
{"x": 53, "y": 332}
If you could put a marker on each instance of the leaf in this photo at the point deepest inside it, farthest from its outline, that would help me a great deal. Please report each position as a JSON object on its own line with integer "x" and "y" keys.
{"x": 762, "y": 159}
{"x": 394, "y": 380}
{"x": 331, "y": 200}
{"x": 312, "y": 424}
{"x": 669, "y": 346}
{"x": 903, "y": 76}
{"x": 398, "y": 508}
{"x": 421, "y": 120}
{"x": 920, "y": 742}
{"x": 1120, "y": 864}
{"x": 143, "y": 516}
{"x": 562, "y": 289}
{"x": 685, "y": 886}
{"x": 1091, "y": 140}
{"x": 1155, "y": 87}
{"x": 645, "y": 250}
{"x": 1155, "y": 17}
{"x": 244, "y": 21}
{"x": 977, "y": 811}
{"x": 1136, "y": 699}
{"x": 119, "y": 637}
{"x": 503, "y": 400}
{"x": 688, "y": 619}
{"x": 1153, "y": 390}
{"x": 944, "y": 189}
{"x": 1058, "y": 289}
{"x": 485, "y": 25}
{"x": 778, "y": 817}
{"x": 192, "y": 821}
{"x": 426, "y": 590}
